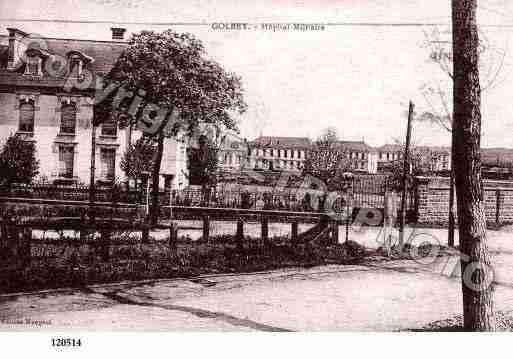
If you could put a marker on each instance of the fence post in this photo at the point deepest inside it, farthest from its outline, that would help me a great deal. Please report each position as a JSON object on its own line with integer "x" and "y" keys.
{"x": 26, "y": 243}
{"x": 498, "y": 199}
{"x": 206, "y": 228}
{"x": 145, "y": 235}
{"x": 105, "y": 243}
{"x": 173, "y": 237}
{"x": 265, "y": 230}
{"x": 294, "y": 235}
{"x": 240, "y": 234}
{"x": 334, "y": 232}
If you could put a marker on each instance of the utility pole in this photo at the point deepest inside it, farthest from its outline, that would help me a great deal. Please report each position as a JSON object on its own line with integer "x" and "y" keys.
{"x": 93, "y": 165}
{"x": 406, "y": 170}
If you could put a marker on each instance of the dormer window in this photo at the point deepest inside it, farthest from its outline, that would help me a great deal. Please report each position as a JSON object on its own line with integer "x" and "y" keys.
{"x": 33, "y": 66}
{"x": 75, "y": 66}
{"x": 77, "y": 62}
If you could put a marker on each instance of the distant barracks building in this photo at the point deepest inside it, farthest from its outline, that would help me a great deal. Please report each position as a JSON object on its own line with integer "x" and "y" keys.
{"x": 42, "y": 108}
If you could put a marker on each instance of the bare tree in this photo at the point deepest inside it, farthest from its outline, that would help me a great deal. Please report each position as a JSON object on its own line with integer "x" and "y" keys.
{"x": 476, "y": 269}
{"x": 439, "y": 111}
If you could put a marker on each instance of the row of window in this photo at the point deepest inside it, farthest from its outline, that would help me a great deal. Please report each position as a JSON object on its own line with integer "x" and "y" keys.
{"x": 275, "y": 164}
{"x": 390, "y": 156}
{"x": 279, "y": 153}
{"x": 68, "y": 119}
{"x": 67, "y": 162}
{"x": 357, "y": 155}
{"x": 34, "y": 66}
{"x": 299, "y": 154}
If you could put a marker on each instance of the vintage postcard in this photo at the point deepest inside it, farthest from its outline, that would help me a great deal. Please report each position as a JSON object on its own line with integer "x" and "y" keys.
{"x": 280, "y": 166}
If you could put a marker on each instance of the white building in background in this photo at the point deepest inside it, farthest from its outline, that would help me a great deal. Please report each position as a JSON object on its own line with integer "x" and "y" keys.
{"x": 278, "y": 153}
{"x": 233, "y": 153}
{"x": 36, "y": 105}
{"x": 363, "y": 158}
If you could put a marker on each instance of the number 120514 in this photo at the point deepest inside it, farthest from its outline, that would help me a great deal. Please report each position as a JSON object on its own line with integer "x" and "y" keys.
{"x": 66, "y": 342}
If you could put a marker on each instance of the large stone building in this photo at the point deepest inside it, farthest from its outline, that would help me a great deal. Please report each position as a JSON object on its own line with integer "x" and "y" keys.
{"x": 438, "y": 158}
{"x": 39, "y": 105}
{"x": 361, "y": 156}
{"x": 278, "y": 153}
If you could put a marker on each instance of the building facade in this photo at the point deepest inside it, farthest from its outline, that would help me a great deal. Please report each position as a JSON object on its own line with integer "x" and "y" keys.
{"x": 278, "y": 153}
{"x": 39, "y": 105}
{"x": 436, "y": 158}
{"x": 361, "y": 156}
{"x": 233, "y": 153}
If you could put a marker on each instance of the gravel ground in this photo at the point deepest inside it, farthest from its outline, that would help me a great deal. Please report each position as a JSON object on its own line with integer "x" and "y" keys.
{"x": 455, "y": 324}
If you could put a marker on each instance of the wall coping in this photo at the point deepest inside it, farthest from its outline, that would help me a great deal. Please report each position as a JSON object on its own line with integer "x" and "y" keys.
{"x": 489, "y": 189}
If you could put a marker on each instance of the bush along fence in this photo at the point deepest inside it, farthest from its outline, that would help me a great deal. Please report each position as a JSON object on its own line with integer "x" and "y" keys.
{"x": 433, "y": 202}
{"x": 116, "y": 252}
{"x": 365, "y": 192}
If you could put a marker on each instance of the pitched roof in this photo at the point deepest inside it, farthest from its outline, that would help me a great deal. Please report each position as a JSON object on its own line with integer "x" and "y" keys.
{"x": 494, "y": 156}
{"x": 434, "y": 149}
{"x": 359, "y": 146}
{"x": 284, "y": 142}
{"x": 104, "y": 54}
{"x": 390, "y": 148}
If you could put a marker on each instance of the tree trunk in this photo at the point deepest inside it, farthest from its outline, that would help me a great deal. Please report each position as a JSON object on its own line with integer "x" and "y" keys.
{"x": 477, "y": 273}
{"x": 155, "y": 175}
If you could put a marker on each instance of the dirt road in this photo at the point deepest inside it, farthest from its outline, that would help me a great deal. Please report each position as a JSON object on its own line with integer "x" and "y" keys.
{"x": 377, "y": 295}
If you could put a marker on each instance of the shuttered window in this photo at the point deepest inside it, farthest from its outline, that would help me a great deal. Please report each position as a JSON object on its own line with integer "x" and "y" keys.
{"x": 108, "y": 162}
{"x": 66, "y": 158}
{"x": 33, "y": 66}
{"x": 27, "y": 116}
{"x": 109, "y": 128}
{"x": 68, "y": 118}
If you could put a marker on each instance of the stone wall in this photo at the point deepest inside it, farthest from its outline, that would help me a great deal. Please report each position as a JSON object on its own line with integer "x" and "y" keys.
{"x": 433, "y": 202}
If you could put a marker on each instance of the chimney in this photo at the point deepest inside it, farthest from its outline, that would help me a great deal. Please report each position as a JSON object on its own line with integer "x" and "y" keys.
{"x": 16, "y": 47}
{"x": 117, "y": 33}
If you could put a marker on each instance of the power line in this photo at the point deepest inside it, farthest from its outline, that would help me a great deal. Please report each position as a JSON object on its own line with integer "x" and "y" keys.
{"x": 355, "y": 23}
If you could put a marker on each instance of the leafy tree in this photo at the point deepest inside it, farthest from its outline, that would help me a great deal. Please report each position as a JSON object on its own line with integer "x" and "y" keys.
{"x": 181, "y": 84}
{"x": 203, "y": 166}
{"x": 139, "y": 158}
{"x": 18, "y": 163}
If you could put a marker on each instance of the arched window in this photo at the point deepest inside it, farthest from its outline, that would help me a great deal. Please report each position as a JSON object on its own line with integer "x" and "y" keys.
{"x": 27, "y": 110}
{"x": 68, "y": 118}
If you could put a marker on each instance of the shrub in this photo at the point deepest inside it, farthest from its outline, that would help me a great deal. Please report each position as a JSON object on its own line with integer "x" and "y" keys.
{"x": 18, "y": 163}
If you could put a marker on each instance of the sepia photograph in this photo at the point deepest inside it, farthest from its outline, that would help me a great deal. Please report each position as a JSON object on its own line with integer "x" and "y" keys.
{"x": 280, "y": 166}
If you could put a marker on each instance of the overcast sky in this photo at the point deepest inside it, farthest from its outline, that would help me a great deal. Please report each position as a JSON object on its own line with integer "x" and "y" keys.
{"x": 358, "y": 79}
